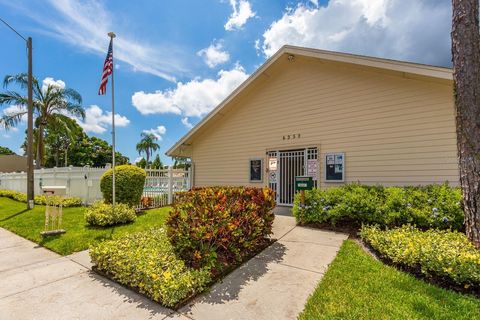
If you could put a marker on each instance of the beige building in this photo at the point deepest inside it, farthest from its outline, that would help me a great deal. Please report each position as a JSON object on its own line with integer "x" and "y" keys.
{"x": 13, "y": 163}
{"x": 337, "y": 117}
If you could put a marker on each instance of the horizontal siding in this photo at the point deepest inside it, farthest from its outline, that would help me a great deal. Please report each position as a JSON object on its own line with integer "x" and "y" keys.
{"x": 393, "y": 130}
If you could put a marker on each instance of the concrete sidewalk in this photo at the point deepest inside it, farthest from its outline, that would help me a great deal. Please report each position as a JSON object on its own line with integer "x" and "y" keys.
{"x": 276, "y": 283}
{"x": 36, "y": 283}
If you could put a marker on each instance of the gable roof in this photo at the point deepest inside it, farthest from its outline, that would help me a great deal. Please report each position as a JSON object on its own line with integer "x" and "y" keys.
{"x": 418, "y": 69}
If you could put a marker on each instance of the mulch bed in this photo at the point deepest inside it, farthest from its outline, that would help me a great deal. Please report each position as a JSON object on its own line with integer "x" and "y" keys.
{"x": 343, "y": 227}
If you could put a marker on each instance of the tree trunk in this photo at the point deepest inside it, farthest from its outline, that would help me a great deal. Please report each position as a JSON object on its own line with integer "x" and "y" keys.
{"x": 40, "y": 147}
{"x": 57, "y": 157}
{"x": 466, "y": 75}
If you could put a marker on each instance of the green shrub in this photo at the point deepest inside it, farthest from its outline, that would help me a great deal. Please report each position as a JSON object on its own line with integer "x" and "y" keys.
{"x": 42, "y": 199}
{"x": 433, "y": 206}
{"x": 441, "y": 253}
{"x": 218, "y": 227}
{"x": 129, "y": 183}
{"x": 103, "y": 214}
{"x": 147, "y": 262}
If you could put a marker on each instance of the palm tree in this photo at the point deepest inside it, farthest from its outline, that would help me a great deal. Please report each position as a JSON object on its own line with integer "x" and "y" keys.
{"x": 52, "y": 106}
{"x": 147, "y": 145}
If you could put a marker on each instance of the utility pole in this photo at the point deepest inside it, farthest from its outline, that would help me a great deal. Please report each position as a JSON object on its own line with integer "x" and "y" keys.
{"x": 30, "y": 177}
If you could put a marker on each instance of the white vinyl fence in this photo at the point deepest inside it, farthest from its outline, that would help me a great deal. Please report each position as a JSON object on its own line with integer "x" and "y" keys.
{"x": 84, "y": 182}
{"x": 161, "y": 186}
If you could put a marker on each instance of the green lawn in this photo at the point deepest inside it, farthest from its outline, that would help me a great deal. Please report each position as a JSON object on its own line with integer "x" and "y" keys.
{"x": 29, "y": 224}
{"x": 356, "y": 286}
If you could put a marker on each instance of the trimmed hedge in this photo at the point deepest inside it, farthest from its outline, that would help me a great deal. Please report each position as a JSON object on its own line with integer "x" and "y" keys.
{"x": 102, "y": 214}
{"x": 433, "y": 206}
{"x": 129, "y": 183}
{"x": 218, "y": 227}
{"x": 147, "y": 262}
{"x": 435, "y": 253}
{"x": 42, "y": 199}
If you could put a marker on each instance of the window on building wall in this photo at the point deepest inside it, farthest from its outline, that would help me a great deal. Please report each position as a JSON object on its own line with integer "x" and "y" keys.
{"x": 335, "y": 167}
{"x": 256, "y": 172}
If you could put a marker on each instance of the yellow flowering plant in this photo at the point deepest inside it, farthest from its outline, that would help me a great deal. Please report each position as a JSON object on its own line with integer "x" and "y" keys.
{"x": 146, "y": 262}
{"x": 42, "y": 199}
{"x": 443, "y": 254}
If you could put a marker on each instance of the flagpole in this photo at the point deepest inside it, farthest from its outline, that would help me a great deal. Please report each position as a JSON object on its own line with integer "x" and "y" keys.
{"x": 112, "y": 35}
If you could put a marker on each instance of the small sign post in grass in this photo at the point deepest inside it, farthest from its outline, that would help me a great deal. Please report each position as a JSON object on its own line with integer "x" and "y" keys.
{"x": 53, "y": 210}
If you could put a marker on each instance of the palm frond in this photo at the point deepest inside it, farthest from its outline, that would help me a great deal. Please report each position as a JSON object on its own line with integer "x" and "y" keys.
{"x": 76, "y": 110}
{"x": 11, "y": 97}
{"x": 11, "y": 120}
{"x": 73, "y": 95}
{"x": 21, "y": 79}
{"x": 37, "y": 90}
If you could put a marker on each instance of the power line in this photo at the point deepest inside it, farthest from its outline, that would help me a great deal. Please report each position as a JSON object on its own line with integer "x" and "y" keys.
{"x": 5, "y": 22}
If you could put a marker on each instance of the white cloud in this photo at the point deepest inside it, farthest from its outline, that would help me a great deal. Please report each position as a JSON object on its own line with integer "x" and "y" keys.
{"x": 157, "y": 132}
{"x": 258, "y": 47}
{"x": 158, "y": 102}
{"x": 97, "y": 120}
{"x": 85, "y": 24}
{"x": 214, "y": 54}
{"x": 191, "y": 99}
{"x": 399, "y": 29}
{"x": 186, "y": 123}
{"x": 242, "y": 11}
{"x": 48, "y": 81}
{"x": 137, "y": 159}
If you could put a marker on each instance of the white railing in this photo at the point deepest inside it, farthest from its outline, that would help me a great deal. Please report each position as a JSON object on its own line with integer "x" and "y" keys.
{"x": 162, "y": 184}
{"x": 84, "y": 182}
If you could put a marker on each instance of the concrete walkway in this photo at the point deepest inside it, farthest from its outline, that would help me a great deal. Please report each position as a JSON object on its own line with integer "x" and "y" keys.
{"x": 36, "y": 283}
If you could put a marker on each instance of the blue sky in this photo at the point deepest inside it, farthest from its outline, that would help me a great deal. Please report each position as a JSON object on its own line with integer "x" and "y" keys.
{"x": 176, "y": 60}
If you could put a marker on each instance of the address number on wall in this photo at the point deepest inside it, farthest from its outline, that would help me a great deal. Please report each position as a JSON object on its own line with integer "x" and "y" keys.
{"x": 291, "y": 136}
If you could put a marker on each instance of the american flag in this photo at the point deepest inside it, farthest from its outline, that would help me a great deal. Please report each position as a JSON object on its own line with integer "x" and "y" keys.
{"x": 107, "y": 70}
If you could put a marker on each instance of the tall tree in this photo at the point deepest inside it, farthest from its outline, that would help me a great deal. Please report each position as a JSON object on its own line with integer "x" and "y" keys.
{"x": 180, "y": 163}
{"x": 80, "y": 150}
{"x": 94, "y": 152}
{"x": 58, "y": 140}
{"x": 148, "y": 144}
{"x": 142, "y": 163}
{"x": 466, "y": 76}
{"x": 52, "y": 104}
{"x": 6, "y": 151}
{"x": 157, "y": 163}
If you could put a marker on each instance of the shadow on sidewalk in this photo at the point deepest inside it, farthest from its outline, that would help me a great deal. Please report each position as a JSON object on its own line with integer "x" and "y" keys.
{"x": 132, "y": 297}
{"x": 230, "y": 287}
